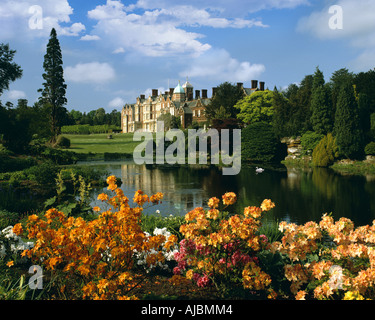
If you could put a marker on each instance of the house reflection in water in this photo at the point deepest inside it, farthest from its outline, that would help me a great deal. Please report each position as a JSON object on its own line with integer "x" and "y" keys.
{"x": 180, "y": 195}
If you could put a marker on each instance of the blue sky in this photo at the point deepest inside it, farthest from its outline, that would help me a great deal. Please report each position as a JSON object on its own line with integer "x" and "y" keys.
{"x": 114, "y": 50}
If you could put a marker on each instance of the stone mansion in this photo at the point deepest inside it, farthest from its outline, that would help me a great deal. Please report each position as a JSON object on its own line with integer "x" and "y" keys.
{"x": 181, "y": 102}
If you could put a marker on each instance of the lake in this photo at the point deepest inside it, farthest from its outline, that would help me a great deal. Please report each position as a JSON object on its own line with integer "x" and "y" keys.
{"x": 299, "y": 195}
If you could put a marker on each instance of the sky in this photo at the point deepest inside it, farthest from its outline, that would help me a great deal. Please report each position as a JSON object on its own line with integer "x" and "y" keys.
{"x": 115, "y": 50}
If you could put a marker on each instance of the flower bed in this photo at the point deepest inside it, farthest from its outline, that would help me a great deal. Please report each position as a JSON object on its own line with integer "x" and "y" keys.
{"x": 221, "y": 254}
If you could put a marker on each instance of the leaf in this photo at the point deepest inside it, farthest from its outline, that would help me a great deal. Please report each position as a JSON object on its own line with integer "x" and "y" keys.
{"x": 49, "y": 202}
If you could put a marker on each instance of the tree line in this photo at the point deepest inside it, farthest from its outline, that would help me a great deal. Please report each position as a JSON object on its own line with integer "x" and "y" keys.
{"x": 344, "y": 107}
{"x": 21, "y": 124}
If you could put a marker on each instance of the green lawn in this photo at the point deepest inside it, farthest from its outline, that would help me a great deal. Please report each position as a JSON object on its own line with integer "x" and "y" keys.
{"x": 98, "y": 143}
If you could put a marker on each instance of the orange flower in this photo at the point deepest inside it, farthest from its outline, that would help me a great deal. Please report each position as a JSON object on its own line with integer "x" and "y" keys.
{"x": 156, "y": 198}
{"x": 267, "y": 205}
{"x": 213, "y": 203}
{"x": 10, "y": 264}
{"x": 229, "y": 198}
{"x": 254, "y": 212}
{"x": 96, "y": 209}
{"x": 213, "y": 214}
{"x": 103, "y": 197}
{"x": 17, "y": 229}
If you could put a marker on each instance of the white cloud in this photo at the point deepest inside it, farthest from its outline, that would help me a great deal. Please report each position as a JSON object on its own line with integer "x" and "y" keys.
{"x": 358, "y": 22}
{"x": 16, "y": 94}
{"x": 20, "y": 18}
{"x": 116, "y": 103}
{"x": 159, "y": 31}
{"x": 218, "y": 65}
{"x": 358, "y": 27}
{"x": 143, "y": 33}
{"x": 225, "y": 8}
{"x": 119, "y": 50}
{"x": 93, "y": 72}
{"x": 89, "y": 37}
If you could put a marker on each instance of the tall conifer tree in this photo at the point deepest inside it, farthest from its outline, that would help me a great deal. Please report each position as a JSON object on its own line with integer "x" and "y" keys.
{"x": 349, "y": 135}
{"x": 54, "y": 87}
{"x": 321, "y": 118}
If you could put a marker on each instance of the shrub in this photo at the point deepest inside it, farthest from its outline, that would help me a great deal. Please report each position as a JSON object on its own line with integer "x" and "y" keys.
{"x": 44, "y": 174}
{"x": 329, "y": 260}
{"x": 62, "y": 142}
{"x": 9, "y": 163}
{"x": 325, "y": 152}
{"x": 8, "y": 218}
{"x": 370, "y": 149}
{"x": 221, "y": 249}
{"x": 60, "y": 156}
{"x": 17, "y": 177}
{"x": 310, "y": 139}
{"x": 259, "y": 144}
{"x": 96, "y": 258}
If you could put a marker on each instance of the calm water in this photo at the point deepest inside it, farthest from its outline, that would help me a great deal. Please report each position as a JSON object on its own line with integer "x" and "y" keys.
{"x": 300, "y": 196}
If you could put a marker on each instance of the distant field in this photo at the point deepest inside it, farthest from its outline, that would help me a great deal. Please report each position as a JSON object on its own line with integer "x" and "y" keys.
{"x": 98, "y": 143}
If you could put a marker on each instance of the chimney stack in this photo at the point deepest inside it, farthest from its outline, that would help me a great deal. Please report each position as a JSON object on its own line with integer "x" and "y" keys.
{"x": 154, "y": 92}
{"x": 261, "y": 84}
{"x": 143, "y": 97}
{"x": 204, "y": 93}
{"x": 254, "y": 84}
{"x": 197, "y": 94}
{"x": 214, "y": 91}
{"x": 239, "y": 85}
{"x": 171, "y": 90}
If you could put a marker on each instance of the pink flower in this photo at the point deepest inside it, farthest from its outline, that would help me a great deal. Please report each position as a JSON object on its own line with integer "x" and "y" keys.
{"x": 196, "y": 276}
{"x": 263, "y": 238}
{"x": 177, "y": 271}
{"x": 203, "y": 281}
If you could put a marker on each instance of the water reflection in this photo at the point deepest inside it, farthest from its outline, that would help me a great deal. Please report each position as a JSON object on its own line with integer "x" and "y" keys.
{"x": 300, "y": 196}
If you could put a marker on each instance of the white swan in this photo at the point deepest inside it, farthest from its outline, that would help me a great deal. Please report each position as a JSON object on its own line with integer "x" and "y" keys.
{"x": 259, "y": 170}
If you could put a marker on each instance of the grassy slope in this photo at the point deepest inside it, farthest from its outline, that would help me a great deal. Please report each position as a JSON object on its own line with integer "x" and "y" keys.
{"x": 98, "y": 143}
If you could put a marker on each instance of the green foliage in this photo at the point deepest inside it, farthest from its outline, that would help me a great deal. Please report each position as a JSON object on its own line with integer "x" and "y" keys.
{"x": 10, "y": 163}
{"x": 347, "y": 130}
{"x": 259, "y": 143}
{"x": 87, "y": 129}
{"x": 62, "y": 142}
{"x": 9, "y": 70}
{"x": 256, "y": 107}
{"x": 325, "y": 152}
{"x": 59, "y": 157}
{"x": 8, "y": 219}
{"x": 370, "y": 149}
{"x": 310, "y": 139}
{"x": 226, "y": 96}
{"x": 173, "y": 223}
{"x": 322, "y": 114}
{"x": 72, "y": 195}
{"x": 43, "y": 174}
{"x": 54, "y": 87}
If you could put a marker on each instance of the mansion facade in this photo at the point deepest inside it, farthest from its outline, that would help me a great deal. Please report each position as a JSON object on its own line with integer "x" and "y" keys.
{"x": 181, "y": 102}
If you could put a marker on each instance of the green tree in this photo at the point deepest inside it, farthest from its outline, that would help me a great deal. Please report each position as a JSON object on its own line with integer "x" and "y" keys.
{"x": 349, "y": 135}
{"x": 325, "y": 152}
{"x": 167, "y": 119}
{"x": 256, "y": 107}
{"x": 338, "y": 79}
{"x": 54, "y": 87}
{"x": 9, "y": 70}
{"x": 260, "y": 144}
{"x": 226, "y": 96}
{"x": 281, "y": 114}
{"x": 365, "y": 83}
{"x": 321, "y": 117}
